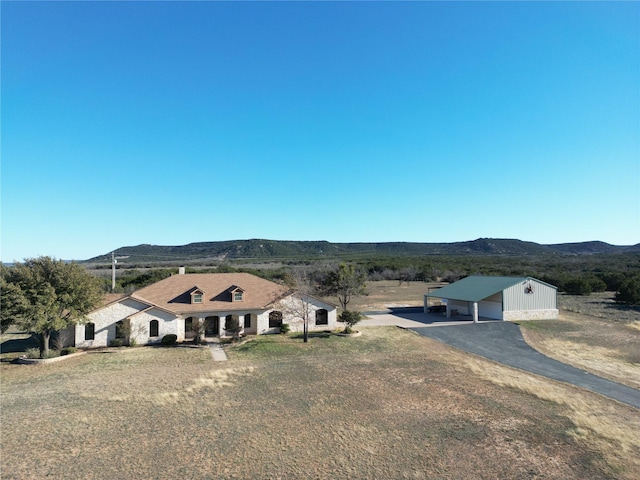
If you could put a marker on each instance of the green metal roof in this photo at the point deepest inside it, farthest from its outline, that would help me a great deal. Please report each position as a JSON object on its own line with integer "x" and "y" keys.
{"x": 476, "y": 287}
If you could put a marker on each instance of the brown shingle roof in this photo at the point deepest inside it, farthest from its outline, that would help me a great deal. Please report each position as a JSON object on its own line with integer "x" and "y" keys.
{"x": 173, "y": 293}
{"x": 109, "y": 298}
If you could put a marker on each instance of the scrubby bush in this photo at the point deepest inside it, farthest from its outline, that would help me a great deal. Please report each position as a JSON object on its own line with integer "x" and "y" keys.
{"x": 169, "y": 340}
{"x": 629, "y": 291}
{"x": 597, "y": 284}
{"x": 32, "y": 353}
{"x": 578, "y": 286}
{"x": 51, "y": 354}
{"x": 613, "y": 280}
{"x": 284, "y": 328}
{"x": 116, "y": 342}
{"x": 68, "y": 350}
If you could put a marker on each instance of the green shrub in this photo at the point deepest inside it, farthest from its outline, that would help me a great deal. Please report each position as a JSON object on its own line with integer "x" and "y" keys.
{"x": 350, "y": 318}
{"x": 116, "y": 342}
{"x": 169, "y": 340}
{"x": 578, "y": 286}
{"x": 68, "y": 350}
{"x": 597, "y": 284}
{"x": 51, "y": 354}
{"x": 284, "y": 328}
{"x": 32, "y": 353}
{"x": 629, "y": 291}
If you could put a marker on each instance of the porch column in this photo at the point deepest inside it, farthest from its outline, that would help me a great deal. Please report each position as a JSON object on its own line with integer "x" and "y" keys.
{"x": 448, "y": 310}
{"x": 202, "y": 327}
{"x": 221, "y": 322}
{"x": 474, "y": 312}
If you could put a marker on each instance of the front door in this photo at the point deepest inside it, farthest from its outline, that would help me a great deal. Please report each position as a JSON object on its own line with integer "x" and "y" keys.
{"x": 212, "y": 326}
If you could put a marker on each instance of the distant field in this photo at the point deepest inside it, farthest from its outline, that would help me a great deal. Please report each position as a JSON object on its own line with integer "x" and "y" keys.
{"x": 600, "y": 305}
{"x": 389, "y": 293}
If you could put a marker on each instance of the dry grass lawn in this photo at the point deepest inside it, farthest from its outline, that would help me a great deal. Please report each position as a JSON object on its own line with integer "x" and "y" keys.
{"x": 387, "y": 405}
{"x": 604, "y": 339}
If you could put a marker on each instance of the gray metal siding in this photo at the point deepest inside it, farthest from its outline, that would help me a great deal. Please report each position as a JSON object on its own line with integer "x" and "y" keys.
{"x": 544, "y": 297}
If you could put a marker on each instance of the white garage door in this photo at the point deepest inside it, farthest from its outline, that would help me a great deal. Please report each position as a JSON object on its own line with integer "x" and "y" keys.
{"x": 490, "y": 310}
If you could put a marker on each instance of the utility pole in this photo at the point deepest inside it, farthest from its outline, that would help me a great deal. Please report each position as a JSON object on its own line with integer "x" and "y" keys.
{"x": 113, "y": 271}
{"x": 114, "y": 261}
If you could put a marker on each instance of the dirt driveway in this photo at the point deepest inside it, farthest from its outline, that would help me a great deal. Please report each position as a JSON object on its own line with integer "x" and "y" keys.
{"x": 501, "y": 342}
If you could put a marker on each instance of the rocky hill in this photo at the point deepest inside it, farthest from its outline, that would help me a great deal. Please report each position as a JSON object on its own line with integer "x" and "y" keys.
{"x": 260, "y": 249}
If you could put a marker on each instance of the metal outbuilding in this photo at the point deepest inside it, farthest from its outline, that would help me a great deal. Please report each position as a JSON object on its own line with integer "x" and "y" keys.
{"x": 498, "y": 298}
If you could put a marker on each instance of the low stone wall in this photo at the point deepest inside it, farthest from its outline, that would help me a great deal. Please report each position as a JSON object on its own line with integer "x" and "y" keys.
{"x": 45, "y": 361}
{"x": 550, "y": 314}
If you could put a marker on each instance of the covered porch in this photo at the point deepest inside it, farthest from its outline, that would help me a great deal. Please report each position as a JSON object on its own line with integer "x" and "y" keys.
{"x": 214, "y": 325}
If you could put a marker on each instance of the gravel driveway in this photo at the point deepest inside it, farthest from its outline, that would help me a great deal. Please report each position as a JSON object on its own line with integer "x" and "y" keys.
{"x": 502, "y": 342}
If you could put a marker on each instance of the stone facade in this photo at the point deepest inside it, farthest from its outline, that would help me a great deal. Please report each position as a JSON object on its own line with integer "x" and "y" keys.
{"x": 140, "y": 319}
{"x": 513, "y": 315}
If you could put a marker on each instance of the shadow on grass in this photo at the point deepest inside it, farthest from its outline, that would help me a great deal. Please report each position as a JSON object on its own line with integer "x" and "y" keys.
{"x": 622, "y": 307}
{"x": 324, "y": 334}
{"x": 178, "y": 345}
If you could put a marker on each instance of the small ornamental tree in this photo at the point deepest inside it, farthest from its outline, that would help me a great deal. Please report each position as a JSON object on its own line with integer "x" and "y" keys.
{"x": 198, "y": 327}
{"x": 232, "y": 325}
{"x": 350, "y": 318}
{"x": 48, "y": 295}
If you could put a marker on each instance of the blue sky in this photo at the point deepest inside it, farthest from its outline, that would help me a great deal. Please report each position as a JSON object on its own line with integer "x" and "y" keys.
{"x": 170, "y": 123}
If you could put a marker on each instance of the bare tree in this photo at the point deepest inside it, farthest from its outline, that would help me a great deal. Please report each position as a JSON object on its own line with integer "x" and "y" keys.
{"x": 407, "y": 274}
{"x": 299, "y": 305}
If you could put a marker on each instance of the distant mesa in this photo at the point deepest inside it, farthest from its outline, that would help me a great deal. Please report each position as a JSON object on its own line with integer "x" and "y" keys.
{"x": 261, "y": 249}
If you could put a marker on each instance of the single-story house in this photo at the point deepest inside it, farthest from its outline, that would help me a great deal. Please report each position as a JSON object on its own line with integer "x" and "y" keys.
{"x": 497, "y": 298}
{"x": 178, "y": 303}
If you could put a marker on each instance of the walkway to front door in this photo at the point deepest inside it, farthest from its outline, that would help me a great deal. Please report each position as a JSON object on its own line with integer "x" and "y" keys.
{"x": 216, "y": 350}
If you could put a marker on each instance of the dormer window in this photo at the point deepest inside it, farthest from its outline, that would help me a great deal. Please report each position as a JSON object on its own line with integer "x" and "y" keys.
{"x": 197, "y": 296}
{"x": 237, "y": 295}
